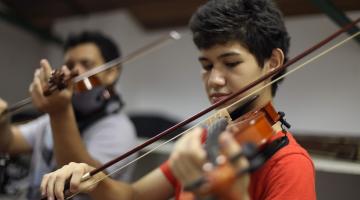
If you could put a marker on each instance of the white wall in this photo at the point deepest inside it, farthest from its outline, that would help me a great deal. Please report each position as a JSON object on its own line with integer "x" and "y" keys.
{"x": 20, "y": 53}
{"x": 325, "y": 96}
{"x": 321, "y": 98}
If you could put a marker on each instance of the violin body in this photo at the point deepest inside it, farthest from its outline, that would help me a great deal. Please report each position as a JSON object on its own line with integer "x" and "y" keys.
{"x": 87, "y": 84}
{"x": 255, "y": 127}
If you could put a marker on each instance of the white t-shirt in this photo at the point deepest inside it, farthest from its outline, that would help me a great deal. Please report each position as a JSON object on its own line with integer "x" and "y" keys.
{"x": 106, "y": 139}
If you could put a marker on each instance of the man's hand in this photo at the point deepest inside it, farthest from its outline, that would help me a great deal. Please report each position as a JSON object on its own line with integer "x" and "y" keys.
{"x": 56, "y": 101}
{"x": 53, "y": 184}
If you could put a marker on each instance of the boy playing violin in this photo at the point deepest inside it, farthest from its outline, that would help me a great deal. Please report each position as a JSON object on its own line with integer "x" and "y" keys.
{"x": 238, "y": 41}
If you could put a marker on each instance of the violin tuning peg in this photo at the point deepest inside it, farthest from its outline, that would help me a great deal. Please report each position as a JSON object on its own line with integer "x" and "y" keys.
{"x": 220, "y": 160}
{"x": 207, "y": 167}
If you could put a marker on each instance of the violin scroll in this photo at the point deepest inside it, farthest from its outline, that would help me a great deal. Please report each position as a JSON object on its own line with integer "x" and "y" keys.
{"x": 58, "y": 81}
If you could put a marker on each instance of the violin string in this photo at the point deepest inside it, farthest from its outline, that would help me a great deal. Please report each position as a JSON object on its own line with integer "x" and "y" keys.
{"x": 214, "y": 115}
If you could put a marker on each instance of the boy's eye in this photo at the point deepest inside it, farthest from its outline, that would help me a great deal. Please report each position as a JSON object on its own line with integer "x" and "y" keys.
{"x": 232, "y": 64}
{"x": 207, "y": 67}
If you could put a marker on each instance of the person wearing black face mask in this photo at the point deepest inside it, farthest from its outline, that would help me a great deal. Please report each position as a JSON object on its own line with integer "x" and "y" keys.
{"x": 99, "y": 130}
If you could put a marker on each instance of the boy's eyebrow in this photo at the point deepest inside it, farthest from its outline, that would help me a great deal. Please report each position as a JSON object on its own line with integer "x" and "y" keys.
{"x": 232, "y": 53}
{"x": 202, "y": 58}
{"x": 227, "y": 54}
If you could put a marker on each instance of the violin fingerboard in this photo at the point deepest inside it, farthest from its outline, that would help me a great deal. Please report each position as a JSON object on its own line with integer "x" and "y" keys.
{"x": 223, "y": 113}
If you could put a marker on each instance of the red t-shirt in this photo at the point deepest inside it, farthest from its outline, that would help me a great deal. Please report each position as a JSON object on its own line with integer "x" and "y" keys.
{"x": 288, "y": 174}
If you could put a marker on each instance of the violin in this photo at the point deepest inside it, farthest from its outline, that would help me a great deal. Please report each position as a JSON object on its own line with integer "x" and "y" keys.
{"x": 249, "y": 124}
{"x": 252, "y": 131}
{"x": 89, "y": 80}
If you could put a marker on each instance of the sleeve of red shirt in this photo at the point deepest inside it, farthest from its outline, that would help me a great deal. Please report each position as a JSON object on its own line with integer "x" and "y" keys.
{"x": 292, "y": 177}
{"x": 165, "y": 168}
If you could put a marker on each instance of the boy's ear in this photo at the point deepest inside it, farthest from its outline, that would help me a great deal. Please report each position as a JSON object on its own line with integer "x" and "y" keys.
{"x": 276, "y": 60}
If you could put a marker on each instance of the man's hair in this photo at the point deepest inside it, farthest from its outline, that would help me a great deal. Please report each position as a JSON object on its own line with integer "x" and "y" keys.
{"x": 256, "y": 24}
{"x": 109, "y": 50}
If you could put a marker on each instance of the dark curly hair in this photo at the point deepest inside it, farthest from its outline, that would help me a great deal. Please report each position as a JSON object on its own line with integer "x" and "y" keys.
{"x": 109, "y": 50}
{"x": 256, "y": 24}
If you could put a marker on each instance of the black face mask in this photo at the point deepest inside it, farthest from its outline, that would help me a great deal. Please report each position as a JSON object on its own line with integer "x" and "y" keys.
{"x": 91, "y": 105}
{"x": 90, "y": 101}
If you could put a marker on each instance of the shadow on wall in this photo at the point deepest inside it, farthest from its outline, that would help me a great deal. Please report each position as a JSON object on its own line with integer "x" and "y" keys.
{"x": 150, "y": 124}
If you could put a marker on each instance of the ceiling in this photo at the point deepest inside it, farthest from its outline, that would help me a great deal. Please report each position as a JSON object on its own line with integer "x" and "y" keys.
{"x": 151, "y": 14}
